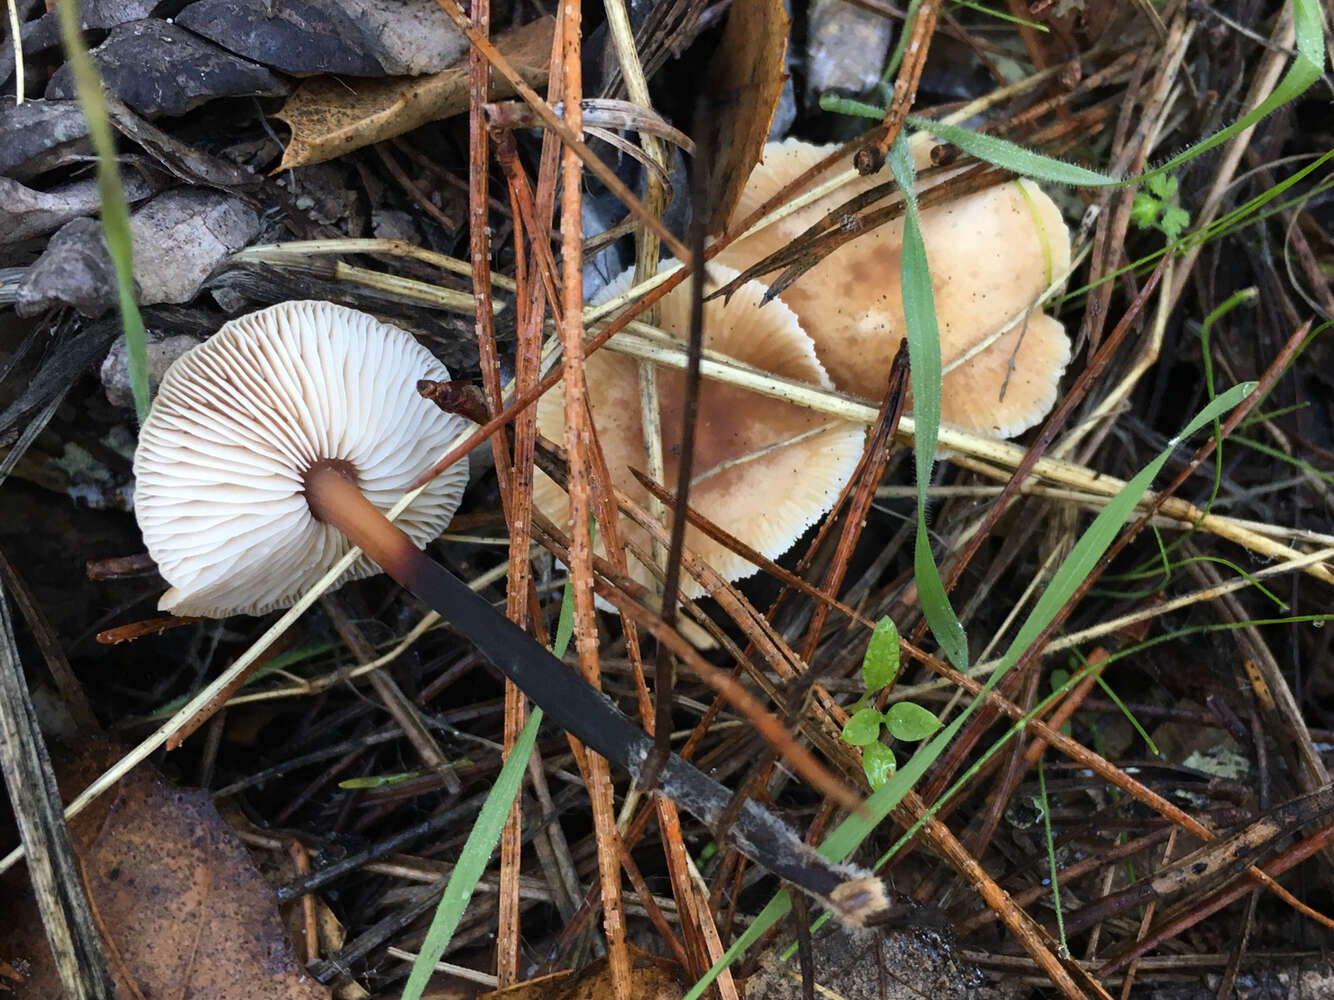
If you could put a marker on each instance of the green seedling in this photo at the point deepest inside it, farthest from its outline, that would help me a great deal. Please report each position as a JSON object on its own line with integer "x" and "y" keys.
{"x": 1156, "y": 207}
{"x": 905, "y": 720}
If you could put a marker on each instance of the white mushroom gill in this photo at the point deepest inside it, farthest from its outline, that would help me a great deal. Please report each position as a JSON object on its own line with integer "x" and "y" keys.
{"x": 241, "y": 419}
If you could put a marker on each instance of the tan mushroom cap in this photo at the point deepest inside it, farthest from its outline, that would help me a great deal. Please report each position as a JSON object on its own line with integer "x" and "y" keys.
{"x": 767, "y": 500}
{"x": 991, "y": 254}
{"x": 238, "y": 421}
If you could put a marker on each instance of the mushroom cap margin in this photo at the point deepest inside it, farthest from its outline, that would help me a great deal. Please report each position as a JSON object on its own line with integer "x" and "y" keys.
{"x": 991, "y": 254}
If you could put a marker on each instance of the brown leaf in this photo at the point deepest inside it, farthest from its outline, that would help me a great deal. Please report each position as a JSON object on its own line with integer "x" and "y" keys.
{"x": 651, "y": 977}
{"x": 180, "y": 906}
{"x": 747, "y": 82}
{"x": 331, "y": 116}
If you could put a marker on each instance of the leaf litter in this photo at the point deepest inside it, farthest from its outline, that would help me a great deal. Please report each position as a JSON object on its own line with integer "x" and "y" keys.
{"x": 180, "y": 904}
{"x": 285, "y": 764}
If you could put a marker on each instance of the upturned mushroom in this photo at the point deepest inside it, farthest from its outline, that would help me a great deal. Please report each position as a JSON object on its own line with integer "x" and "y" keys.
{"x": 766, "y": 469}
{"x": 280, "y": 441}
{"x": 244, "y": 461}
{"x": 991, "y": 255}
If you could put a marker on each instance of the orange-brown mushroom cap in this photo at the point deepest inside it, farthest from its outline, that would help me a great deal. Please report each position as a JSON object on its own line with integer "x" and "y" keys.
{"x": 991, "y": 254}
{"x": 765, "y": 495}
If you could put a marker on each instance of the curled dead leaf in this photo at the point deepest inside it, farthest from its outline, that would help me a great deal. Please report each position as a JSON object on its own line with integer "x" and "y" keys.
{"x": 330, "y": 116}
{"x": 746, "y": 84}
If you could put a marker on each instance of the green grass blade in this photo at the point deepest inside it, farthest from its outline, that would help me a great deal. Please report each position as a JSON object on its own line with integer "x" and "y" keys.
{"x": 115, "y": 212}
{"x": 775, "y": 910}
{"x": 1011, "y": 156}
{"x": 1306, "y": 68}
{"x": 1249, "y": 212}
{"x": 1130, "y": 716}
{"x": 850, "y": 106}
{"x": 564, "y": 622}
{"x": 1001, "y": 15}
{"x": 919, "y": 312}
{"x": 900, "y": 47}
{"x": 283, "y": 661}
{"x": 482, "y": 840}
{"x": 1243, "y": 295}
{"x": 1094, "y": 542}
{"x": 1064, "y": 949}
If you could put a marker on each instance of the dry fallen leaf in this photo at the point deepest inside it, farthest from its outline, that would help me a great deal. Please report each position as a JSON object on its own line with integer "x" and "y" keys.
{"x": 181, "y": 908}
{"x": 651, "y": 977}
{"x": 330, "y": 115}
{"x": 746, "y": 84}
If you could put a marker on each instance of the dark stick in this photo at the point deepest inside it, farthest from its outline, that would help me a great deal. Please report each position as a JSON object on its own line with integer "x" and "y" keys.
{"x": 685, "y": 465}
{"x": 588, "y": 715}
{"x": 583, "y": 711}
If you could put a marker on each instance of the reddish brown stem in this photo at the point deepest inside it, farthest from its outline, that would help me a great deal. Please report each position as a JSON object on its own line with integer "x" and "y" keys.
{"x": 335, "y": 499}
{"x": 137, "y": 630}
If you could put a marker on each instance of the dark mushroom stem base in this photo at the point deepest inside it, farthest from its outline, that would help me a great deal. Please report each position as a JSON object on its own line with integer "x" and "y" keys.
{"x": 583, "y": 711}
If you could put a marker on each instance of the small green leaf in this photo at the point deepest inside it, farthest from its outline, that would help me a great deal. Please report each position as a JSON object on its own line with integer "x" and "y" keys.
{"x": 880, "y": 665}
{"x": 1174, "y": 220}
{"x": 879, "y": 764}
{"x": 863, "y": 727}
{"x": 910, "y": 722}
{"x": 1144, "y": 209}
{"x": 1163, "y": 186}
{"x": 473, "y": 858}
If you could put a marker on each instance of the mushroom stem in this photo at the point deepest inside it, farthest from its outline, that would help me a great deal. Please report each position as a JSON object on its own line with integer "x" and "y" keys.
{"x": 585, "y": 713}
{"x": 335, "y": 499}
